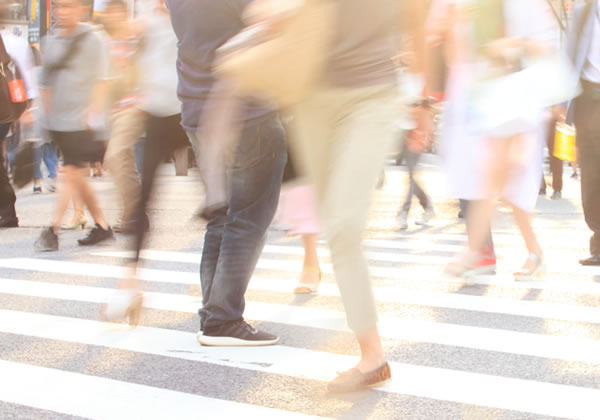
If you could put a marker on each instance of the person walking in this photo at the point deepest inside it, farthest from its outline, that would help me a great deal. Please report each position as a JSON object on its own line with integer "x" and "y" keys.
{"x": 127, "y": 119}
{"x": 19, "y": 51}
{"x": 164, "y": 134}
{"x": 584, "y": 50}
{"x": 510, "y": 149}
{"x": 73, "y": 100}
{"x": 342, "y": 134}
{"x": 236, "y": 231}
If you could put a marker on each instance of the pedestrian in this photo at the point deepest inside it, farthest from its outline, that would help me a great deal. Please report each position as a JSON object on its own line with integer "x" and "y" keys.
{"x": 556, "y": 164}
{"x": 298, "y": 213}
{"x": 19, "y": 51}
{"x": 236, "y": 230}
{"x": 510, "y": 147}
{"x": 414, "y": 142}
{"x": 127, "y": 119}
{"x": 342, "y": 134}
{"x": 73, "y": 98}
{"x": 45, "y": 149}
{"x": 584, "y": 44}
{"x": 161, "y": 111}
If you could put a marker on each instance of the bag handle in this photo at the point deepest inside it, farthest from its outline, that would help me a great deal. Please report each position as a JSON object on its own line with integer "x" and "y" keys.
{"x": 62, "y": 63}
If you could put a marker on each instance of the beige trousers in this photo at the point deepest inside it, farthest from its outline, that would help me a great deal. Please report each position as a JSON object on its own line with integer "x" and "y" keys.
{"x": 127, "y": 126}
{"x": 341, "y": 137}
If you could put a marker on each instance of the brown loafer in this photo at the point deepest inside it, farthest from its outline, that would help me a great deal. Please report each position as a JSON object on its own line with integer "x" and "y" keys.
{"x": 354, "y": 380}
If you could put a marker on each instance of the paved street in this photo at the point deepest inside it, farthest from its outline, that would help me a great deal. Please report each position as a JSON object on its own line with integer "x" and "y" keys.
{"x": 493, "y": 350}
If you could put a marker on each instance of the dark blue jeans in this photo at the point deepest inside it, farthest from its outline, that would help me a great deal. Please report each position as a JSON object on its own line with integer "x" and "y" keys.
{"x": 235, "y": 235}
{"x": 46, "y": 152}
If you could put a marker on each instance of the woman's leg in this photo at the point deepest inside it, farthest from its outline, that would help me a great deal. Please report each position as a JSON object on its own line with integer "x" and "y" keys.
{"x": 66, "y": 193}
{"x": 480, "y": 215}
{"x": 88, "y": 196}
{"x": 523, "y": 220}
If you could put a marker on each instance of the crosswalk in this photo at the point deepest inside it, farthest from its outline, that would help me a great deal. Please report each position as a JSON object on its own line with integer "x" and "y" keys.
{"x": 495, "y": 349}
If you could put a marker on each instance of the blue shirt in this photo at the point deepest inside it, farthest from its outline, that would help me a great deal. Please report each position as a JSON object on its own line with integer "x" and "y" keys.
{"x": 201, "y": 27}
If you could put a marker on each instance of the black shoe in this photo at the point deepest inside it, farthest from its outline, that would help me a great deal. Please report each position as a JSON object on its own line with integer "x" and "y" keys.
{"x": 97, "y": 235}
{"x": 593, "y": 260}
{"x": 354, "y": 380}
{"x": 236, "y": 333}
{"x": 48, "y": 241}
{"x": 9, "y": 222}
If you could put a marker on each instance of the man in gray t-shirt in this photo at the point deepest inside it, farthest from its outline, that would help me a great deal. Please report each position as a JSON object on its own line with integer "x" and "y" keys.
{"x": 73, "y": 100}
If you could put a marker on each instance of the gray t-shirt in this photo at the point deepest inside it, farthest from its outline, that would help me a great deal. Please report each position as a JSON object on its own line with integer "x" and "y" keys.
{"x": 364, "y": 43}
{"x": 72, "y": 85}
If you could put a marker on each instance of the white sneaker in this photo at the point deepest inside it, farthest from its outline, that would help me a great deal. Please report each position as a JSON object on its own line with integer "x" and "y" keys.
{"x": 403, "y": 220}
{"x": 428, "y": 214}
{"x": 51, "y": 185}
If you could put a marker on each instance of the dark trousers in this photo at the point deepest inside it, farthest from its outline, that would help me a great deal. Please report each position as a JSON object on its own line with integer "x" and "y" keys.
{"x": 556, "y": 165}
{"x": 163, "y": 136}
{"x": 7, "y": 193}
{"x": 412, "y": 159}
{"x": 587, "y": 123}
{"x": 235, "y": 235}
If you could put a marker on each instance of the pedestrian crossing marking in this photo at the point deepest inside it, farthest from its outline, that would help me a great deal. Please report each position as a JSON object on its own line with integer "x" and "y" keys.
{"x": 539, "y": 309}
{"x": 102, "y": 398}
{"x": 522, "y": 395}
{"x": 390, "y": 326}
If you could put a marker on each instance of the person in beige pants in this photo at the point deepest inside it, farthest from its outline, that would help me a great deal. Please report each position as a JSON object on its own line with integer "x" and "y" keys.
{"x": 128, "y": 121}
{"x": 127, "y": 126}
{"x": 342, "y": 133}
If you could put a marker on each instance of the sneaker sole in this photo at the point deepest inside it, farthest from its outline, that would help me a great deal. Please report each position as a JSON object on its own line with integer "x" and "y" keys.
{"x": 207, "y": 340}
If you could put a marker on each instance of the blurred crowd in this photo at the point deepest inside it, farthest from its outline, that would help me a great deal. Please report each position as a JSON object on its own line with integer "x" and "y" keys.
{"x": 313, "y": 95}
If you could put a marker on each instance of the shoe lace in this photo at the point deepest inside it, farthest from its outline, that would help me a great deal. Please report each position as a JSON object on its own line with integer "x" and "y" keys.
{"x": 244, "y": 325}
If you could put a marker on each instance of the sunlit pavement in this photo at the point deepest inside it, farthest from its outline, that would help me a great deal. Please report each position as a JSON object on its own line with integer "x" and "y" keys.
{"x": 492, "y": 350}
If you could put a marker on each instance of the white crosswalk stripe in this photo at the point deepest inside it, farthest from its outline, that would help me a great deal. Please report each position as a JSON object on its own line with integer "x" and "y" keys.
{"x": 82, "y": 394}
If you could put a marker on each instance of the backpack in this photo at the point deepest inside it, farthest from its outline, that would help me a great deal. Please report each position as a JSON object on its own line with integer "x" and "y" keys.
{"x": 13, "y": 97}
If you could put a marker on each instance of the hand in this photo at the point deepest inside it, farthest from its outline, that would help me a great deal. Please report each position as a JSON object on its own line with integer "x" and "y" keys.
{"x": 559, "y": 113}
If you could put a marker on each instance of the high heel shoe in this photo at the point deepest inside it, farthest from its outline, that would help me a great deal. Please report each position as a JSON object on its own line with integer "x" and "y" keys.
{"x": 304, "y": 288}
{"x": 528, "y": 274}
{"x": 125, "y": 305}
{"x": 75, "y": 224}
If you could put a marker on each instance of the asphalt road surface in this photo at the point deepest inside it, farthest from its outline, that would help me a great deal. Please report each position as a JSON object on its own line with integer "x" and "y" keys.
{"x": 493, "y": 350}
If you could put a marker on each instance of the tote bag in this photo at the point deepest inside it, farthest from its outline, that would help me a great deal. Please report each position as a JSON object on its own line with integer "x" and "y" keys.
{"x": 282, "y": 67}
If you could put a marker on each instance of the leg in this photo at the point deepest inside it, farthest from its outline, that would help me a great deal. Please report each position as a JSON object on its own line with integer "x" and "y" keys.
{"x": 255, "y": 182}
{"x": 590, "y": 194}
{"x": 411, "y": 162}
{"x": 161, "y": 140}
{"x": 127, "y": 127}
{"x": 556, "y": 165}
{"x": 50, "y": 159}
{"x": 588, "y": 144}
{"x": 38, "y": 152}
{"x": 344, "y": 175}
{"x": 67, "y": 192}
{"x": 523, "y": 220}
{"x": 8, "y": 215}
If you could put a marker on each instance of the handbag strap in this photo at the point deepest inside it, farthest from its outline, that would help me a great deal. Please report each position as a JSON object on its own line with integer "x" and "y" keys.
{"x": 64, "y": 61}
